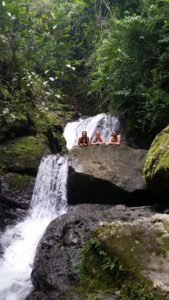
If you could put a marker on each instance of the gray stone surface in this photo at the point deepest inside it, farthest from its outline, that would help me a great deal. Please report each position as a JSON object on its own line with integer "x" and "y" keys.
{"x": 58, "y": 253}
{"x": 107, "y": 174}
{"x": 118, "y": 164}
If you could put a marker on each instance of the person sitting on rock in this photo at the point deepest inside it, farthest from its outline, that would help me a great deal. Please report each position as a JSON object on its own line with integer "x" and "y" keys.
{"x": 83, "y": 141}
{"x": 115, "y": 138}
{"x": 97, "y": 139}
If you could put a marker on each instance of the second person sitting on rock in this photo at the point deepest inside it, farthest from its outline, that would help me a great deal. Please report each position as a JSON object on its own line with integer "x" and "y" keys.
{"x": 97, "y": 139}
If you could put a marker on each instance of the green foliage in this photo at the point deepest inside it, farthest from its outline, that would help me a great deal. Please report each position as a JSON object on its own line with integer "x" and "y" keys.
{"x": 106, "y": 262}
{"x": 101, "y": 272}
{"x": 156, "y": 166}
{"x": 42, "y": 45}
{"x": 45, "y": 46}
{"x": 93, "y": 243}
{"x": 137, "y": 291}
{"x": 19, "y": 182}
{"x": 23, "y": 155}
{"x": 130, "y": 67}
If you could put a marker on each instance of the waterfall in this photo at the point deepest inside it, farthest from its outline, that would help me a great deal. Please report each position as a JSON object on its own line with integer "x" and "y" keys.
{"x": 102, "y": 122}
{"x": 20, "y": 242}
{"x": 50, "y": 195}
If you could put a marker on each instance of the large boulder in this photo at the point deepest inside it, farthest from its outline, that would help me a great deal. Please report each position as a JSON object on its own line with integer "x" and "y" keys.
{"x": 156, "y": 167}
{"x": 55, "y": 268}
{"x": 137, "y": 253}
{"x": 106, "y": 174}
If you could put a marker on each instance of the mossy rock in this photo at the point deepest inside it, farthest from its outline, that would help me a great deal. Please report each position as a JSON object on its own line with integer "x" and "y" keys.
{"x": 19, "y": 182}
{"x": 131, "y": 258}
{"x": 23, "y": 155}
{"x": 156, "y": 167}
{"x": 31, "y": 120}
{"x": 13, "y": 125}
{"x": 16, "y": 192}
{"x": 49, "y": 124}
{"x": 45, "y": 121}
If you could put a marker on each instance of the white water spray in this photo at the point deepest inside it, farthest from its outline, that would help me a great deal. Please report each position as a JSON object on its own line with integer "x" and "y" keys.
{"x": 20, "y": 242}
{"x": 102, "y": 122}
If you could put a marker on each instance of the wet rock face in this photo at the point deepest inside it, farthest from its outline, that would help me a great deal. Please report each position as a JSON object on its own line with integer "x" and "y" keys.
{"x": 106, "y": 174}
{"x": 15, "y": 196}
{"x": 2, "y": 218}
{"x": 58, "y": 254}
{"x": 156, "y": 167}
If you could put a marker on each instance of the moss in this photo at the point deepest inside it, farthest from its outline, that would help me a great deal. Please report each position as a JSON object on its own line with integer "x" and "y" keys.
{"x": 50, "y": 124}
{"x": 156, "y": 167}
{"x": 28, "y": 119}
{"x": 2, "y": 168}
{"x": 98, "y": 271}
{"x": 93, "y": 279}
{"x": 138, "y": 290}
{"x": 13, "y": 125}
{"x": 97, "y": 279}
{"x": 19, "y": 182}
{"x": 129, "y": 244}
{"x": 45, "y": 121}
{"x": 24, "y": 154}
{"x": 120, "y": 256}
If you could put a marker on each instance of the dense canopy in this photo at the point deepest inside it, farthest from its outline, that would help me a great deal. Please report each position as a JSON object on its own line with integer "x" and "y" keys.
{"x": 101, "y": 55}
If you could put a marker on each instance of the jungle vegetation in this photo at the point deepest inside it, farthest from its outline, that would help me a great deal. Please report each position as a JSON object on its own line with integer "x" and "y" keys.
{"x": 93, "y": 55}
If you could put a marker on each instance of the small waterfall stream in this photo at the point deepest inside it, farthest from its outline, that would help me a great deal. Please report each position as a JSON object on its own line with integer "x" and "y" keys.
{"x": 102, "y": 122}
{"x": 20, "y": 242}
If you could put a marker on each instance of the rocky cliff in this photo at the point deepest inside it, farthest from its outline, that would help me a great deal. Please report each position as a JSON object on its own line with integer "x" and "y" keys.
{"x": 156, "y": 167}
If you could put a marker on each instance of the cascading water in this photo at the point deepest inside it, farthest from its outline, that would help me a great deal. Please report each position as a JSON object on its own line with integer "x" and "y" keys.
{"x": 20, "y": 242}
{"x": 102, "y": 122}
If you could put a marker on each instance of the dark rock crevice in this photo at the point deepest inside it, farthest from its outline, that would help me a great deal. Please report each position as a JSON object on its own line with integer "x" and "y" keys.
{"x": 84, "y": 188}
{"x": 15, "y": 196}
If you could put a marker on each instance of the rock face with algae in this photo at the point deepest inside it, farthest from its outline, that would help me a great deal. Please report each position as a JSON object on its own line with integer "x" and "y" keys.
{"x": 142, "y": 250}
{"x": 23, "y": 155}
{"x": 156, "y": 167}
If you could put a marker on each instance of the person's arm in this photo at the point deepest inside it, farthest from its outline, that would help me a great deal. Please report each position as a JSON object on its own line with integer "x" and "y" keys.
{"x": 111, "y": 141}
{"x": 80, "y": 142}
{"x": 119, "y": 139}
{"x": 93, "y": 141}
{"x": 87, "y": 141}
{"x": 101, "y": 141}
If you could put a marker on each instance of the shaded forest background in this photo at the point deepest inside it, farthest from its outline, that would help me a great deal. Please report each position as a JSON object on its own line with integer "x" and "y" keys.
{"x": 86, "y": 56}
